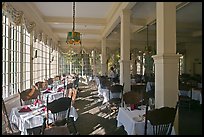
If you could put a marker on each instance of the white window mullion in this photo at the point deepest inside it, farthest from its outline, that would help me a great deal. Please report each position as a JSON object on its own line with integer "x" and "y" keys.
{"x": 9, "y": 59}
{"x": 21, "y": 59}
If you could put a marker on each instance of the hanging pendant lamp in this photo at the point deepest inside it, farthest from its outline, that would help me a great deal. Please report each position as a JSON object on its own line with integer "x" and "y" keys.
{"x": 73, "y": 37}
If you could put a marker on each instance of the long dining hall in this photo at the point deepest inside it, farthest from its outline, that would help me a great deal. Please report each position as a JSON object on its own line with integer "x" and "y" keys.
{"x": 101, "y": 68}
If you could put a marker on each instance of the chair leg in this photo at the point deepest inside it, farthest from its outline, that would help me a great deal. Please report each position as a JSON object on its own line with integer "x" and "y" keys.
{"x": 73, "y": 124}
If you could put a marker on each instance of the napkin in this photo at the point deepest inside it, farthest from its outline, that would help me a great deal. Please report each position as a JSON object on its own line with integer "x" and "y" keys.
{"x": 44, "y": 109}
{"x": 25, "y": 109}
{"x": 46, "y": 92}
{"x": 133, "y": 106}
{"x": 61, "y": 89}
{"x": 48, "y": 89}
{"x": 37, "y": 101}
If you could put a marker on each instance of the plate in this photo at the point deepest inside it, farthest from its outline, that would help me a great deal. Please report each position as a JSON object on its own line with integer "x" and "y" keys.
{"x": 138, "y": 118}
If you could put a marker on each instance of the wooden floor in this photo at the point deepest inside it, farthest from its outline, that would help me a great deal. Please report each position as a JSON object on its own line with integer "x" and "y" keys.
{"x": 95, "y": 119}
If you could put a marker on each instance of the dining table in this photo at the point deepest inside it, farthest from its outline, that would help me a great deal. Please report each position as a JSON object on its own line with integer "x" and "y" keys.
{"x": 134, "y": 121}
{"x": 51, "y": 95}
{"x": 34, "y": 117}
{"x": 197, "y": 94}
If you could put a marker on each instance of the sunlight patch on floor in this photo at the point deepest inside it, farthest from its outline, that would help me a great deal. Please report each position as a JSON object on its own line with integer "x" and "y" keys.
{"x": 91, "y": 111}
{"x": 98, "y": 130}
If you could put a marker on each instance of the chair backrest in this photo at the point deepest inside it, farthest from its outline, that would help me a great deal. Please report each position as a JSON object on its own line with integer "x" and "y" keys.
{"x": 161, "y": 120}
{"x": 56, "y": 78}
{"x": 41, "y": 85}
{"x": 104, "y": 82}
{"x": 131, "y": 97}
{"x": 50, "y": 81}
{"x": 29, "y": 95}
{"x": 60, "y": 108}
{"x": 117, "y": 88}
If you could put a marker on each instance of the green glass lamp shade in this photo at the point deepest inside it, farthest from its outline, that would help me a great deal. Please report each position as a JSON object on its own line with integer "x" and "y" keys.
{"x": 73, "y": 38}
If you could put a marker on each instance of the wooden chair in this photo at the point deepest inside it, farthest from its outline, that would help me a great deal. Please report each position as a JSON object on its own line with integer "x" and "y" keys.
{"x": 60, "y": 109}
{"x": 28, "y": 96}
{"x": 116, "y": 91}
{"x": 10, "y": 128}
{"x": 50, "y": 81}
{"x": 56, "y": 78}
{"x": 161, "y": 120}
{"x": 185, "y": 101}
{"x": 41, "y": 85}
{"x": 131, "y": 98}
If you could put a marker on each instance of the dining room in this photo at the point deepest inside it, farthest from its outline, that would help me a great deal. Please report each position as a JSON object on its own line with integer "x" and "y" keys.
{"x": 68, "y": 54}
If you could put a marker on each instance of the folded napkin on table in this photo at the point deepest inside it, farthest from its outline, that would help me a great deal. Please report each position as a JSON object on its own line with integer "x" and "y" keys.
{"x": 44, "y": 109}
{"x": 61, "y": 89}
{"x": 25, "y": 109}
{"x": 133, "y": 106}
{"x": 46, "y": 91}
{"x": 37, "y": 101}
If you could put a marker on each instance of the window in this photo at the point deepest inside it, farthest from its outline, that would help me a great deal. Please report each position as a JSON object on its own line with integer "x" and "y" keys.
{"x": 11, "y": 39}
{"x": 15, "y": 59}
{"x": 26, "y": 59}
{"x": 5, "y": 53}
{"x": 181, "y": 65}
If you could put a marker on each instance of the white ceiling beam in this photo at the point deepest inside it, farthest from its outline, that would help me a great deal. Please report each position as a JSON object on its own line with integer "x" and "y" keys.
{"x": 152, "y": 19}
{"x": 81, "y": 20}
{"x": 115, "y": 20}
{"x": 138, "y": 22}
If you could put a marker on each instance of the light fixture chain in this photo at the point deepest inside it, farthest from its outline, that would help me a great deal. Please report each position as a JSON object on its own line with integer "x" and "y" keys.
{"x": 147, "y": 36}
{"x": 73, "y": 16}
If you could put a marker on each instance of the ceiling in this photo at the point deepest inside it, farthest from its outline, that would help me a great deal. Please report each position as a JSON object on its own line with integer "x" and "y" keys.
{"x": 92, "y": 19}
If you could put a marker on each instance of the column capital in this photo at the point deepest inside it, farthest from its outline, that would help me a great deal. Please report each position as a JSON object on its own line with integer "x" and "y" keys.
{"x": 125, "y": 12}
{"x": 167, "y": 58}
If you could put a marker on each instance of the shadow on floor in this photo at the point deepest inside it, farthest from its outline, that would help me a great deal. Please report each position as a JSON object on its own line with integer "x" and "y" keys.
{"x": 95, "y": 119}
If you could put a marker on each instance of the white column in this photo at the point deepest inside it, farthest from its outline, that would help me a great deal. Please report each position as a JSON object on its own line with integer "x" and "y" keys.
{"x": 104, "y": 58}
{"x": 125, "y": 50}
{"x": 166, "y": 60}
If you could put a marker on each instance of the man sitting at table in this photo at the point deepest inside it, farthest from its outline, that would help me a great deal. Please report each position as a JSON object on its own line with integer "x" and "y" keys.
{"x": 112, "y": 74}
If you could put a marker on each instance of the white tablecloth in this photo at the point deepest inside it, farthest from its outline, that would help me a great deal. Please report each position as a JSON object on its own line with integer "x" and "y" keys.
{"x": 51, "y": 96}
{"x": 34, "y": 118}
{"x": 98, "y": 85}
{"x": 107, "y": 95}
{"x": 128, "y": 118}
{"x": 196, "y": 95}
{"x": 149, "y": 86}
{"x": 184, "y": 93}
